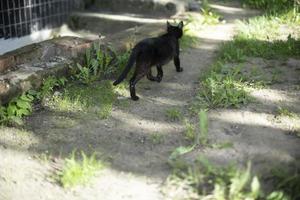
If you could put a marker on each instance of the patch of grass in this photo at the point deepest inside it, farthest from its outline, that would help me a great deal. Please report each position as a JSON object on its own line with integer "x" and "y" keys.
{"x": 67, "y": 104}
{"x": 282, "y": 111}
{"x": 156, "y": 138}
{"x": 97, "y": 98}
{"x": 75, "y": 172}
{"x": 222, "y": 87}
{"x": 259, "y": 28}
{"x": 173, "y": 114}
{"x": 240, "y": 48}
{"x": 262, "y": 36}
{"x": 271, "y": 6}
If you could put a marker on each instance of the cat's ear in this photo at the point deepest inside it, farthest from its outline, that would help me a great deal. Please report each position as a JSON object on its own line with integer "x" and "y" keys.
{"x": 168, "y": 25}
{"x": 180, "y": 25}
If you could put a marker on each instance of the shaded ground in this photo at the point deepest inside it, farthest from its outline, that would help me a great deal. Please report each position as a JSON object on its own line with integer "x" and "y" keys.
{"x": 138, "y": 167}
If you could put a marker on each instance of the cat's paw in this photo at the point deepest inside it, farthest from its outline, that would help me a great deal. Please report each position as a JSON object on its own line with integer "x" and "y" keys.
{"x": 158, "y": 79}
{"x": 135, "y": 98}
{"x": 180, "y": 69}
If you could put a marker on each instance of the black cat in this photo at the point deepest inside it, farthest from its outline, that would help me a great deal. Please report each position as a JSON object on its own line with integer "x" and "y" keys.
{"x": 150, "y": 52}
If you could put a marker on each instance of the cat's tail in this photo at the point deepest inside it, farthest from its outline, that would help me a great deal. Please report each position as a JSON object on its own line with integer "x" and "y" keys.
{"x": 130, "y": 63}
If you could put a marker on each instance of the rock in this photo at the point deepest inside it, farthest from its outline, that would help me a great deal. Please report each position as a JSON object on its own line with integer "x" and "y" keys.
{"x": 291, "y": 62}
{"x": 193, "y": 6}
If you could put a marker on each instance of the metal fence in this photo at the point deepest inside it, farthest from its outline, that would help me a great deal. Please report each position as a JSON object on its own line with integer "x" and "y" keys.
{"x": 22, "y": 17}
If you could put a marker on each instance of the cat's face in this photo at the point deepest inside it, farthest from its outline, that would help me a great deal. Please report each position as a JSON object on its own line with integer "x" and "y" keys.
{"x": 175, "y": 30}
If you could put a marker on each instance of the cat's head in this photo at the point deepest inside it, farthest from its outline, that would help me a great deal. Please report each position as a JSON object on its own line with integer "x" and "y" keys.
{"x": 175, "y": 30}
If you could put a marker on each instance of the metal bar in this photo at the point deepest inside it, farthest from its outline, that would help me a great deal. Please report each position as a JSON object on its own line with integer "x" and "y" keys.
{"x": 8, "y": 17}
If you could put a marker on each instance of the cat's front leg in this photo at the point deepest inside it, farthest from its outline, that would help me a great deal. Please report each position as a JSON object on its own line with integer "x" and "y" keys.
{"x": 177, "y": 64}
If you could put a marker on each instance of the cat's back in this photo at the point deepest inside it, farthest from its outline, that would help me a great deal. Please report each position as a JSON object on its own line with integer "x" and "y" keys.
{"x": 156, "y": 43}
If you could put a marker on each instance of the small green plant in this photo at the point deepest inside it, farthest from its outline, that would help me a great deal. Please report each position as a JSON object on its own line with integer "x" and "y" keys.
{"x": 285, "y": 112}
{"x": 191, "y": 29}
{"x": 206, "y": 181}
{"x": 122, "y": 60}
{"x": 189, "y": 130}
{"x": 156, "y": 138}
{"x": 202, "y": 137}
{"x": 180, "y": 151}
{"x": 76, "y": 172}
{"x": 287, "y": 184}
{"x": 209, "y": 16}
{"x": 173, "y": 114}
{"x": 16, "y": 109}
{"x": 97, "y": 64}
{"x": 223, "y": 87}
{"x": 48, "y": 86}
{"x": 223, "y": 145}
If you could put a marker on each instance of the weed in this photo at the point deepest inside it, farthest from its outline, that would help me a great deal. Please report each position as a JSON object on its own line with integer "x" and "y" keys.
{"x": 202, "y": 137}
{"x": 76, "y": 172}
{"x": 287, "y": 184}
{"x": 190, "y": 31}
{"x": 217, "y": 183}
{"x": 223, "y": 145}
{"x": 209, "y": 16}
{"x": 97, "y": 64}
{"x": 206, "y": 181}
{"x": 180, "y": 151}
{"x": 156, "y": 138}
{"x": 189, "y": 130}
{"x": 223, "y": 87}
{"x": 48, "y": 86}
{"x": 173, "y": 114}
{"x": 203, "y": 180}
{"x": 122, "y": 60}
{"x": 17, "y": 108}
{"x": 281, "y": 111}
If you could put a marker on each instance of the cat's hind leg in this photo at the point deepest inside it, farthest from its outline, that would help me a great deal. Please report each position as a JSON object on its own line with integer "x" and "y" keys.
{"x": 150, "y": 77}
{"x": 138, "y": 74}
{"x": 160, "y": 73}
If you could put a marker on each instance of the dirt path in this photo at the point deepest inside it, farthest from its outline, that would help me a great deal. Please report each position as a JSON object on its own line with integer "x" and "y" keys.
{"x": 138, "y": 167}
